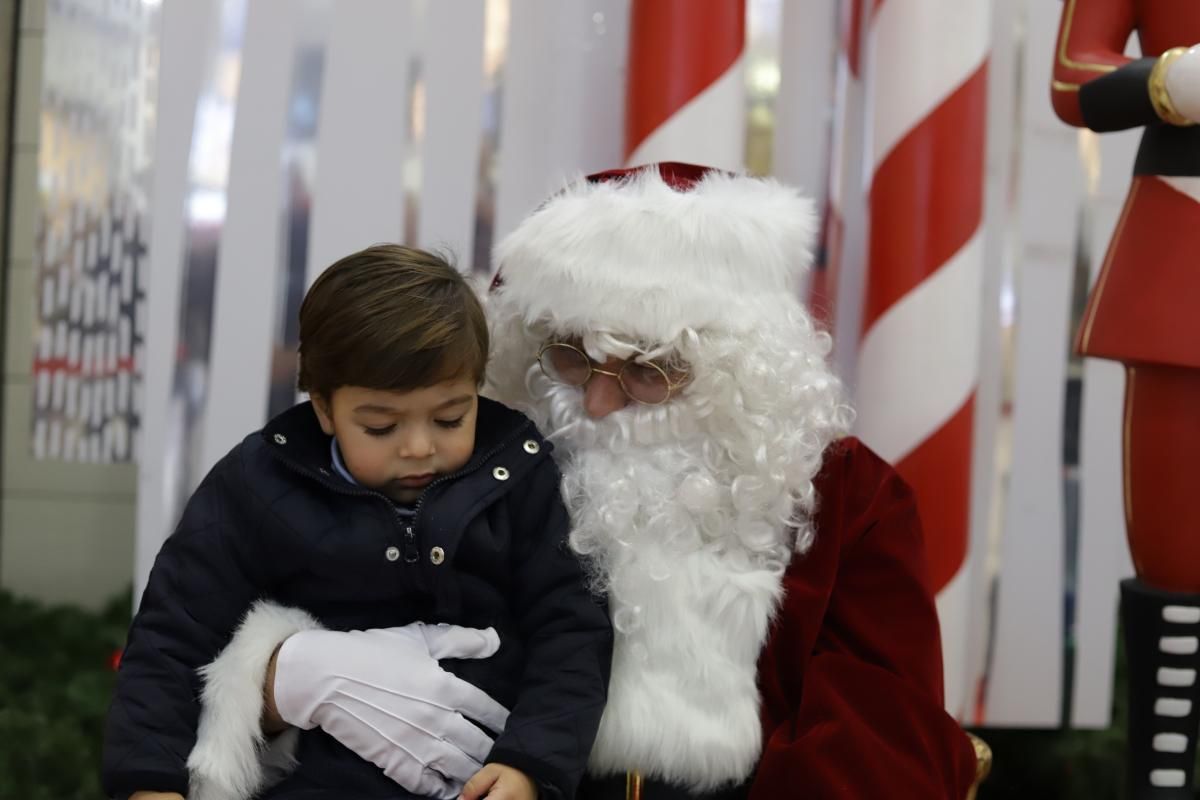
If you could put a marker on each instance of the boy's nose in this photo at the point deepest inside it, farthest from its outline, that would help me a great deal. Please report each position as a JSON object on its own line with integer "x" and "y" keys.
{"x": 416, "y": 445}
{"x": 603, "y": 395}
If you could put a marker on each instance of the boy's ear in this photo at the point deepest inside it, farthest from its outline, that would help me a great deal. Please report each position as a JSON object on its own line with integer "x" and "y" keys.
{"x": 324, "y": 412}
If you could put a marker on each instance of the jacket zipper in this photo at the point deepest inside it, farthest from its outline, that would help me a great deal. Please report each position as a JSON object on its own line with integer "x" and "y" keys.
{"x": 411, "y": 554}
{"x": 452, "y": 476}
{"x": 410, "y": 537}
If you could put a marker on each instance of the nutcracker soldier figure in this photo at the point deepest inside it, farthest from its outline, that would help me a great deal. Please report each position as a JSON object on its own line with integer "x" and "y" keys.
{"x": 1144, "y": 312}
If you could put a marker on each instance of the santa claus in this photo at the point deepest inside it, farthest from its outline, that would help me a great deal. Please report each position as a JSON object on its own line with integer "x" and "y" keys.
{"x": 775, "y": 632}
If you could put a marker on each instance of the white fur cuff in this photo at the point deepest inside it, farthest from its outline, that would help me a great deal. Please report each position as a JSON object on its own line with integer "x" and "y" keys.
{"x": 232, "y": 759}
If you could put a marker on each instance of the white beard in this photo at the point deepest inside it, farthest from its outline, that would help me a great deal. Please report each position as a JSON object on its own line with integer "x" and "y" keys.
{"x": 692, "y": 581}
{"x": 686, "y": 516}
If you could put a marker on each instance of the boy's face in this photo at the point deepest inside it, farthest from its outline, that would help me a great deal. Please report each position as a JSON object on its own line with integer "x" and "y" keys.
{"x": 399, "y": 442}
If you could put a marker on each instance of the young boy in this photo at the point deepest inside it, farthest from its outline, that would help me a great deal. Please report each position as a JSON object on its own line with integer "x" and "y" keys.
{"x": 398, "y": 495}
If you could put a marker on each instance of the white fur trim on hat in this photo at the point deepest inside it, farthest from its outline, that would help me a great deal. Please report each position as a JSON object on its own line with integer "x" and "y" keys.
{"x": 232, "y": 759}
{"x": 639, "y": 257}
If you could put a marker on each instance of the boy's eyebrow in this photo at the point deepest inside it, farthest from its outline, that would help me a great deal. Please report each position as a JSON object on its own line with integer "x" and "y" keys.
{"x": 378, "y": 409}
{"x": 455, "y": 401}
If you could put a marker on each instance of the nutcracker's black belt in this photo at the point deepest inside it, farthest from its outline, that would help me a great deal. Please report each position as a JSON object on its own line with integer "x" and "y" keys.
{"x": 632, "y": 786}
{"x": 1168, "y": 150}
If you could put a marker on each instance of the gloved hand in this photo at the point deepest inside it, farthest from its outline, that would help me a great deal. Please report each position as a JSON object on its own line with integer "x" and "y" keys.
{"x": 382, "y": 694}
{"x": 1183, "y": 84}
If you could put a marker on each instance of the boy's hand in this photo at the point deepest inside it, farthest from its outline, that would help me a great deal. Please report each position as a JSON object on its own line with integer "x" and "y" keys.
{"x": 155, "y": 796}
{"x": 500, "y": 782}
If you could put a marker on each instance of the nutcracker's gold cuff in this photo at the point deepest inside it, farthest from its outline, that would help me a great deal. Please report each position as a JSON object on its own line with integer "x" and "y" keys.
{"x": 1159, "y": 96}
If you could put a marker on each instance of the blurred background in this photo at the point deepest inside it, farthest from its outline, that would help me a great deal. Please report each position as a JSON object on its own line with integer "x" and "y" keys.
{"x": 175, "y": 172}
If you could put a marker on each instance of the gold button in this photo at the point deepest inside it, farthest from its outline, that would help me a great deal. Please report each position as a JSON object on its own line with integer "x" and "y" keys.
{"x": 531, "y": 446}
{"x": 500, "y": 474}
{"x": 437, "y": 555}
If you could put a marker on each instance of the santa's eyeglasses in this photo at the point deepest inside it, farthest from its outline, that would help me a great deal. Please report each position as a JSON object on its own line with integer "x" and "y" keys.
{"x": 642, "y": 381}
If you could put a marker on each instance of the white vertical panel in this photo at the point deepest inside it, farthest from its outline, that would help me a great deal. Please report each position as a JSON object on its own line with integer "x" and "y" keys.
{"x": 453, "y": 127}
{"x": 804, "y": 107}
{"x": 998, "y": 221}
{"x": 1026, "y": 685}
{"x": 848, "y": 193}
{"x": 564, "y": 99}
{"x": 1103, "y": 555}
{"x": 358, "y": 195}
{"x": 188, "y": 32}
{"x": 248, "y": 257}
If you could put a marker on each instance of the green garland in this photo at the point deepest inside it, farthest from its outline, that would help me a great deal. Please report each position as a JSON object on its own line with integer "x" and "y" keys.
{"x": 1059, "y": 763}
{"x": 56, "y": 677}
{"x": 1062, "y": 764}
{"x": 1055, "y": 764}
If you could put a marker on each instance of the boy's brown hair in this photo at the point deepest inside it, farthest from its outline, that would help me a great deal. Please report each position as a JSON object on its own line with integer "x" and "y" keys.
{"x": 390, "y": 317}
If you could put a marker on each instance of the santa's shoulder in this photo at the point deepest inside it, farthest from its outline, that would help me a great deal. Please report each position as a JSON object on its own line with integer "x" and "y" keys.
{"x": 851, "y": 457}
{"x": 855, "y": 485}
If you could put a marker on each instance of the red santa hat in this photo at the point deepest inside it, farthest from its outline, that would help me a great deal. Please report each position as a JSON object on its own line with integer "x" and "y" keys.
{"x": 650, "y": 251}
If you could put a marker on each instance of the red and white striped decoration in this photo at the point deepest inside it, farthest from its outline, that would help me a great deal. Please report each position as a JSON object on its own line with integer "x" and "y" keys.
{"x": 686, "y": 96}
{"x": 918, "y": 362}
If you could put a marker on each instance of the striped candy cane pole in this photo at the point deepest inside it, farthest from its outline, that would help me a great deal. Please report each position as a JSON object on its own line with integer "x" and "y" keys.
{"x": 685, "y": 99}
{"x": 918, "y": 361}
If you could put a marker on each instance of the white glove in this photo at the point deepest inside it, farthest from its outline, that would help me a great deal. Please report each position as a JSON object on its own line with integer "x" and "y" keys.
{"x": 382, "y": 694}
{"x": 1183, "y": 84}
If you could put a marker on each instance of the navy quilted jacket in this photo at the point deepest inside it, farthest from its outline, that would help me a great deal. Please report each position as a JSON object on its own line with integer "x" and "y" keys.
{"x": 274, "y": 520}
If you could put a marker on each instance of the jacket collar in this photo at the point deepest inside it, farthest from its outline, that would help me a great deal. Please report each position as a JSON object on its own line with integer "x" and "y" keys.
{"x": 296, "y": 435}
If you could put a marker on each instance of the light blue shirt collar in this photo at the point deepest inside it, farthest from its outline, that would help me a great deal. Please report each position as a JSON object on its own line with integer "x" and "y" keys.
{"x": 339, "y": 465}
{"x": 335, "y": 454}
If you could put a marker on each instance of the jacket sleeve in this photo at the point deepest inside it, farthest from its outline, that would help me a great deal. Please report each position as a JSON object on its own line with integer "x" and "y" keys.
{"x": 854, "y": 667}
{"x": 203, "y": 580}
{"x": 568, "y": 641}
{"x": 1095, "y": 84}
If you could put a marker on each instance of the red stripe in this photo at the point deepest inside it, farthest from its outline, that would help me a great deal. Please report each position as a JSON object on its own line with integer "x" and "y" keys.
{"x": 852, "y": 12}
{"x": 927, "y": 197}
{"x": 677, "y": 48}
{"x": 939, "y": 471}
{"x": 53, "y": 365}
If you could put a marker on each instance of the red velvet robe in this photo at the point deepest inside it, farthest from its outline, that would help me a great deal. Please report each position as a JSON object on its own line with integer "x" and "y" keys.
{"x": 851, "y": 676}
